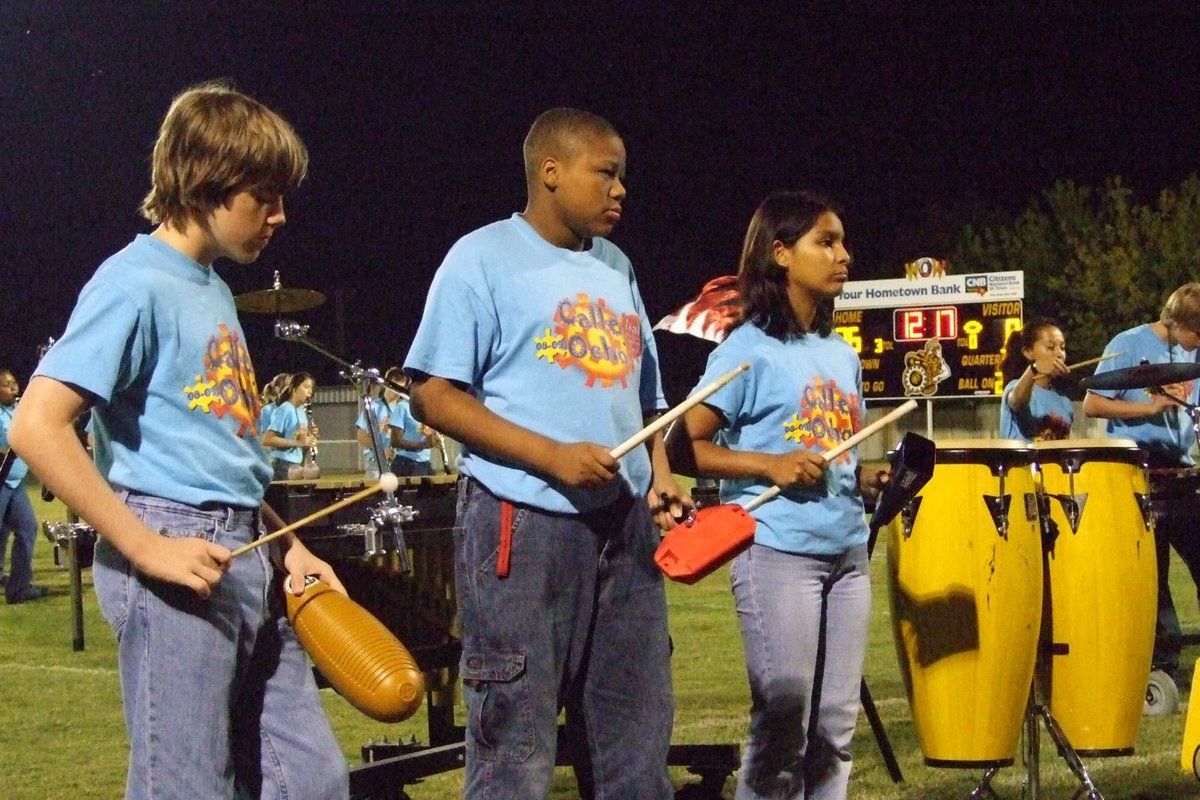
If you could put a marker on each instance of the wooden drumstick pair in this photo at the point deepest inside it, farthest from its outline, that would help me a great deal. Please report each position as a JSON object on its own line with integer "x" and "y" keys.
{"x": 1095, "y": 360}
{"x": 389, "y": 482}
{"x": 359, "y": 655}
{"x": 718, "y": 533}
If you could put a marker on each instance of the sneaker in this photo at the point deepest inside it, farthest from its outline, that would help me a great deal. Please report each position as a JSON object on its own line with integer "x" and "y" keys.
{"x": 31, "y": 593}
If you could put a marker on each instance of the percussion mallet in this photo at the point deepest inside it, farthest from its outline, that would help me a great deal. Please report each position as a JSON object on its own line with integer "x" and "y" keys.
{"x": 1096, "y": 360}
{"x": 388, "y": 483}
{"x": 718, "y": 533}
{"x": 834, "y": 452}
{"x": 676, "y": 412}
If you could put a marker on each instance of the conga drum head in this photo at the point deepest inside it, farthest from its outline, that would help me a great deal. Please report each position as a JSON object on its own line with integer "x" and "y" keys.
{"x": 1124, "y": 451}
{"x": 997, "y": 452}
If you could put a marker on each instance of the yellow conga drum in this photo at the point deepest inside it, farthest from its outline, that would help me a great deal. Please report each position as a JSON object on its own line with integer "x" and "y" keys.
{"x": 1103, "y": 590}
{"x": 965, "y": 582}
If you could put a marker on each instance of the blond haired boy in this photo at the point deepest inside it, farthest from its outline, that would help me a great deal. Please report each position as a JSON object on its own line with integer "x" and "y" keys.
{"x": 218, "y": 695}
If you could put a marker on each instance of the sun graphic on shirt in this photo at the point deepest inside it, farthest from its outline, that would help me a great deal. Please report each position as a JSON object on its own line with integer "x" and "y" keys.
{"x": 589, "y": 336}
{"x": 227, "y": 385}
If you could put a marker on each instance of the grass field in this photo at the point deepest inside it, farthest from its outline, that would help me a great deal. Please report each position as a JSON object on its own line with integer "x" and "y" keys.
{"x": 64, "y": 736}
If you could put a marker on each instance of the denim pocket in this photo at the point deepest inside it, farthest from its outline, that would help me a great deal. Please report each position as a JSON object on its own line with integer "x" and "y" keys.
{"x": 112, "y": 580}
{"x": 497, "y": 695}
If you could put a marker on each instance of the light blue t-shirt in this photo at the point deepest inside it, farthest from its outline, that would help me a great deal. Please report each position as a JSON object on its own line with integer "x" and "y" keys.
{"x": 286, "y": 420}
{"x": 264, "y": 418}
{"x": 1168, "y": 436}
{"x": 1048, "y": 416}
{"x": 550, "y": 339}
{"x": 805, "y": 393}
{"x": 156, "y": 339}
{"x": 383, "y": 412}
{"x": 18, "y": 470}
{"x": 402, "y": 418}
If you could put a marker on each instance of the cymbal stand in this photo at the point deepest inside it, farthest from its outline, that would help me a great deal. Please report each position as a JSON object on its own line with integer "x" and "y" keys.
{"x": 1192, "y": 409}
{"x": 389, "y": 514}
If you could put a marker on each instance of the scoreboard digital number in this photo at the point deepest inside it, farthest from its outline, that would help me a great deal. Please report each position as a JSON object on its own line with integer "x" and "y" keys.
{"x": 930, "y": 351}
{"x": 920, "y": 324}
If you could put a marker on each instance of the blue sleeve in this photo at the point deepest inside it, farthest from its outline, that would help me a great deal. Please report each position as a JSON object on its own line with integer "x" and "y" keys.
{"x": 731, "y": 399}
{"x": 1125, "y": 357}
{"x": 103, "y": 348}
{"x": 459, "y": 324}
{"x": 650, "y": 391}
{"x": 284, "y": 419}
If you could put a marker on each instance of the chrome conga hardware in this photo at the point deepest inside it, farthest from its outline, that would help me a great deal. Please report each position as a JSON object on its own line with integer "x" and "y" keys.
{"x": 1147, "y": 506}
{"x": 998, "y": 504}
{"x": 908, "y": 516}
{"x": 1072, "y": 506}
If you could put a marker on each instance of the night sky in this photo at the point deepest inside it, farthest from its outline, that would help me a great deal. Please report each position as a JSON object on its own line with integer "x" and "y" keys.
{"x": 414, "y": 121}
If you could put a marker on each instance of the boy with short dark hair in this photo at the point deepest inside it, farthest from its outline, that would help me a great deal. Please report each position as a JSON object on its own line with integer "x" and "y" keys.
{"x": 219, "y": 697}
{"x": 533, "y": 350}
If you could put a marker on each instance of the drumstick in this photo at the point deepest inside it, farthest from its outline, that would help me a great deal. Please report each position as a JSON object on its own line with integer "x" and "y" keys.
{"x": 834, "y": 452}
{"x": 387, "y": 483}
{"x": 669, "y": 417}
{"x": 1093, "y": 360}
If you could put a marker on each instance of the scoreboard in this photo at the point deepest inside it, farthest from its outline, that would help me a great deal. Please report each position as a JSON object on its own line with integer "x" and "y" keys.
{"x": 931, "y": 337}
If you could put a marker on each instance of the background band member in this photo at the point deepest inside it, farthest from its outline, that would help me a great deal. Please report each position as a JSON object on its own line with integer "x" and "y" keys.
{"x": 289, "y": 432}
{"x": 383, "y": 400}
{"x": 1034, "y": 406}
{"x": 16, "y": 512}
{"x": 1165, "y": 430}
{"x": 413, "y": 441}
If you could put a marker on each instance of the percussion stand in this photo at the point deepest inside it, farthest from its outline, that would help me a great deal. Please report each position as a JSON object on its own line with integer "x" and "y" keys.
{"x": 1037, "y": 709}
{"x": 389, "y": 514}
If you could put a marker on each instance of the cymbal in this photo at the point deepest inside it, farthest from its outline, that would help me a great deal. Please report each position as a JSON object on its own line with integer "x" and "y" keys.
{"x": 1143, "y": 375}
{"x": 278, "y": 301}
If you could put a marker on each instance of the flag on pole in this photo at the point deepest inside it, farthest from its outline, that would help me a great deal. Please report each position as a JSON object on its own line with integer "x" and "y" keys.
{"x": 710, "y": 316}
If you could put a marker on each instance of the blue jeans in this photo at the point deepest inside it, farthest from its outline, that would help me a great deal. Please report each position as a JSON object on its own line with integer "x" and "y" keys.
{"x": 16, "y": 515}
{"x": 804, "y": 626}
{"x": 408, "y": 468}
{"x": 219, "y": 698}
{"x": 580, "y": 622}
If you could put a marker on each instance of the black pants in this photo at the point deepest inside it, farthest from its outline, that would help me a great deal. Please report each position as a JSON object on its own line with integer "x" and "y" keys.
{"x": 1177, "y": 525}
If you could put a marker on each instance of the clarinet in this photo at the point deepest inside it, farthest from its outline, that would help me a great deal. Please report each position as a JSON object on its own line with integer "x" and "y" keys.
{"x": 311, "y": 470}
{"x": 441, "y": 445}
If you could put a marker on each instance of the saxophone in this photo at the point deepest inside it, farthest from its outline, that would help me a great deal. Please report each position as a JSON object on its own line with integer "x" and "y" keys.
{"x": 310, "y": 468}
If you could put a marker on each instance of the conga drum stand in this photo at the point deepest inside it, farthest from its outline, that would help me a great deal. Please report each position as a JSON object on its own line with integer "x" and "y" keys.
{"x": 1037, "y": 711}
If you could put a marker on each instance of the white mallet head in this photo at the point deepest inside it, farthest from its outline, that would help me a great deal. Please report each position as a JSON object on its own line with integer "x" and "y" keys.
{"x": 389, "y": 483}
